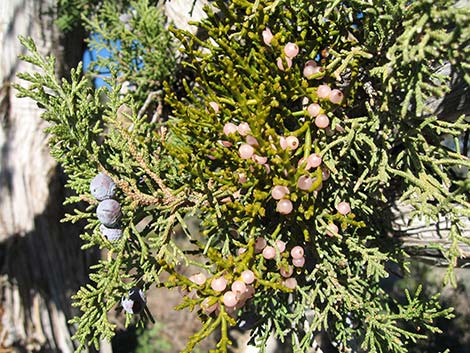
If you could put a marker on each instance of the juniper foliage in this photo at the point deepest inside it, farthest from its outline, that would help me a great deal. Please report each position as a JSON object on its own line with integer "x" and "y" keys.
{"x": 383, "y": 145}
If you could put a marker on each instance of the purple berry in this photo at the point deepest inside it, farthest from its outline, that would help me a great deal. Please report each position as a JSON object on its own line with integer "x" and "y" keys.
{"x": 112, "y": 234}
{"x": 108, "y": 212}
{"x": 135, "y": 301}
{"x": 102, "y": 187}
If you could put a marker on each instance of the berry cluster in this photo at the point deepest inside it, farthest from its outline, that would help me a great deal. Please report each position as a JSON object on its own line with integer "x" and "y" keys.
{"x": 231, "y": 291}
{"x": 267, "y": 148}
{"x": 285, "y": 269}
{"x": 312, "y": 175}
{"x": 108, "y": 211}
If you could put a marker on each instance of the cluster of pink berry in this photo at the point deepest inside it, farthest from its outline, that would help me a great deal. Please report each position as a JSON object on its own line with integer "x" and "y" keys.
{"x": 285, "y": 269}
{"x": 305, "y": 182}
{"x": 241, "y": 290}
{"x": 247, "y": 150}
{"x": 343, "y": 209}
{"x": 310, "y": 70}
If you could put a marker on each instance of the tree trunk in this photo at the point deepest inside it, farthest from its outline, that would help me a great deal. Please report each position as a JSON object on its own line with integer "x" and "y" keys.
{"x": 41, "y": 264}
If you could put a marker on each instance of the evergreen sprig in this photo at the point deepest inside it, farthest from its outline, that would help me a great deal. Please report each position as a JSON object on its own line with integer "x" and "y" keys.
{"x": 311, "y": 245}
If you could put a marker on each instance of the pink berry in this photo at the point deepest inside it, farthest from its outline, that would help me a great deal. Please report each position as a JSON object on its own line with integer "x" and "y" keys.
{"x": 267, "y": 36}
{"x": 286, "y": 272}
{"x": 281, "y": 246}
{"x": 244, "y": 129}
{"x": 269, "y": 253}
{"x": 343, "y": 208}
{"x": 308, "y": 71}
{"x": 198, "y": 278}
{"x": 230, "y": 298}
{"x": 230, "y": 128}
{"x": 248, "y": 276}
{"x": 283, "y": 142}
{"x": 291, "y": 50}
{"x": 336, "y": 96}
{"x": 260, "y": 244}
{"x": 323, "y": 91}
{"x": 290, "y": 283}
{"x": 297, "y": 252}
{"x": 311, "y": 63}
{"x": 314, "y": 109}
{"x": 238, "y": 286}
{"x": 246, "y": 151}
{"x": 284, "y": 206}
{"x": 219, "y": 284}
{"x": 208, "y": 309}
{"x": 300, "y": 262}
{"x": 214, "y": 106}
{"x": 331, "y": 229}
{"x": 279, "y": 191}
{"x": 305, "y": 182}
{"x": 280, "y": 63}
{"x": 260, "y": 159}
{"x": 322, "y": 121}
{"x": 313, "y": 161}
{"x": 292, "y": 142}
{"x": 251, "y": 140}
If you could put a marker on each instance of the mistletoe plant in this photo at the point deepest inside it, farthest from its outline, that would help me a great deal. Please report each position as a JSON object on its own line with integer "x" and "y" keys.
{"x": 304, "y": 124}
